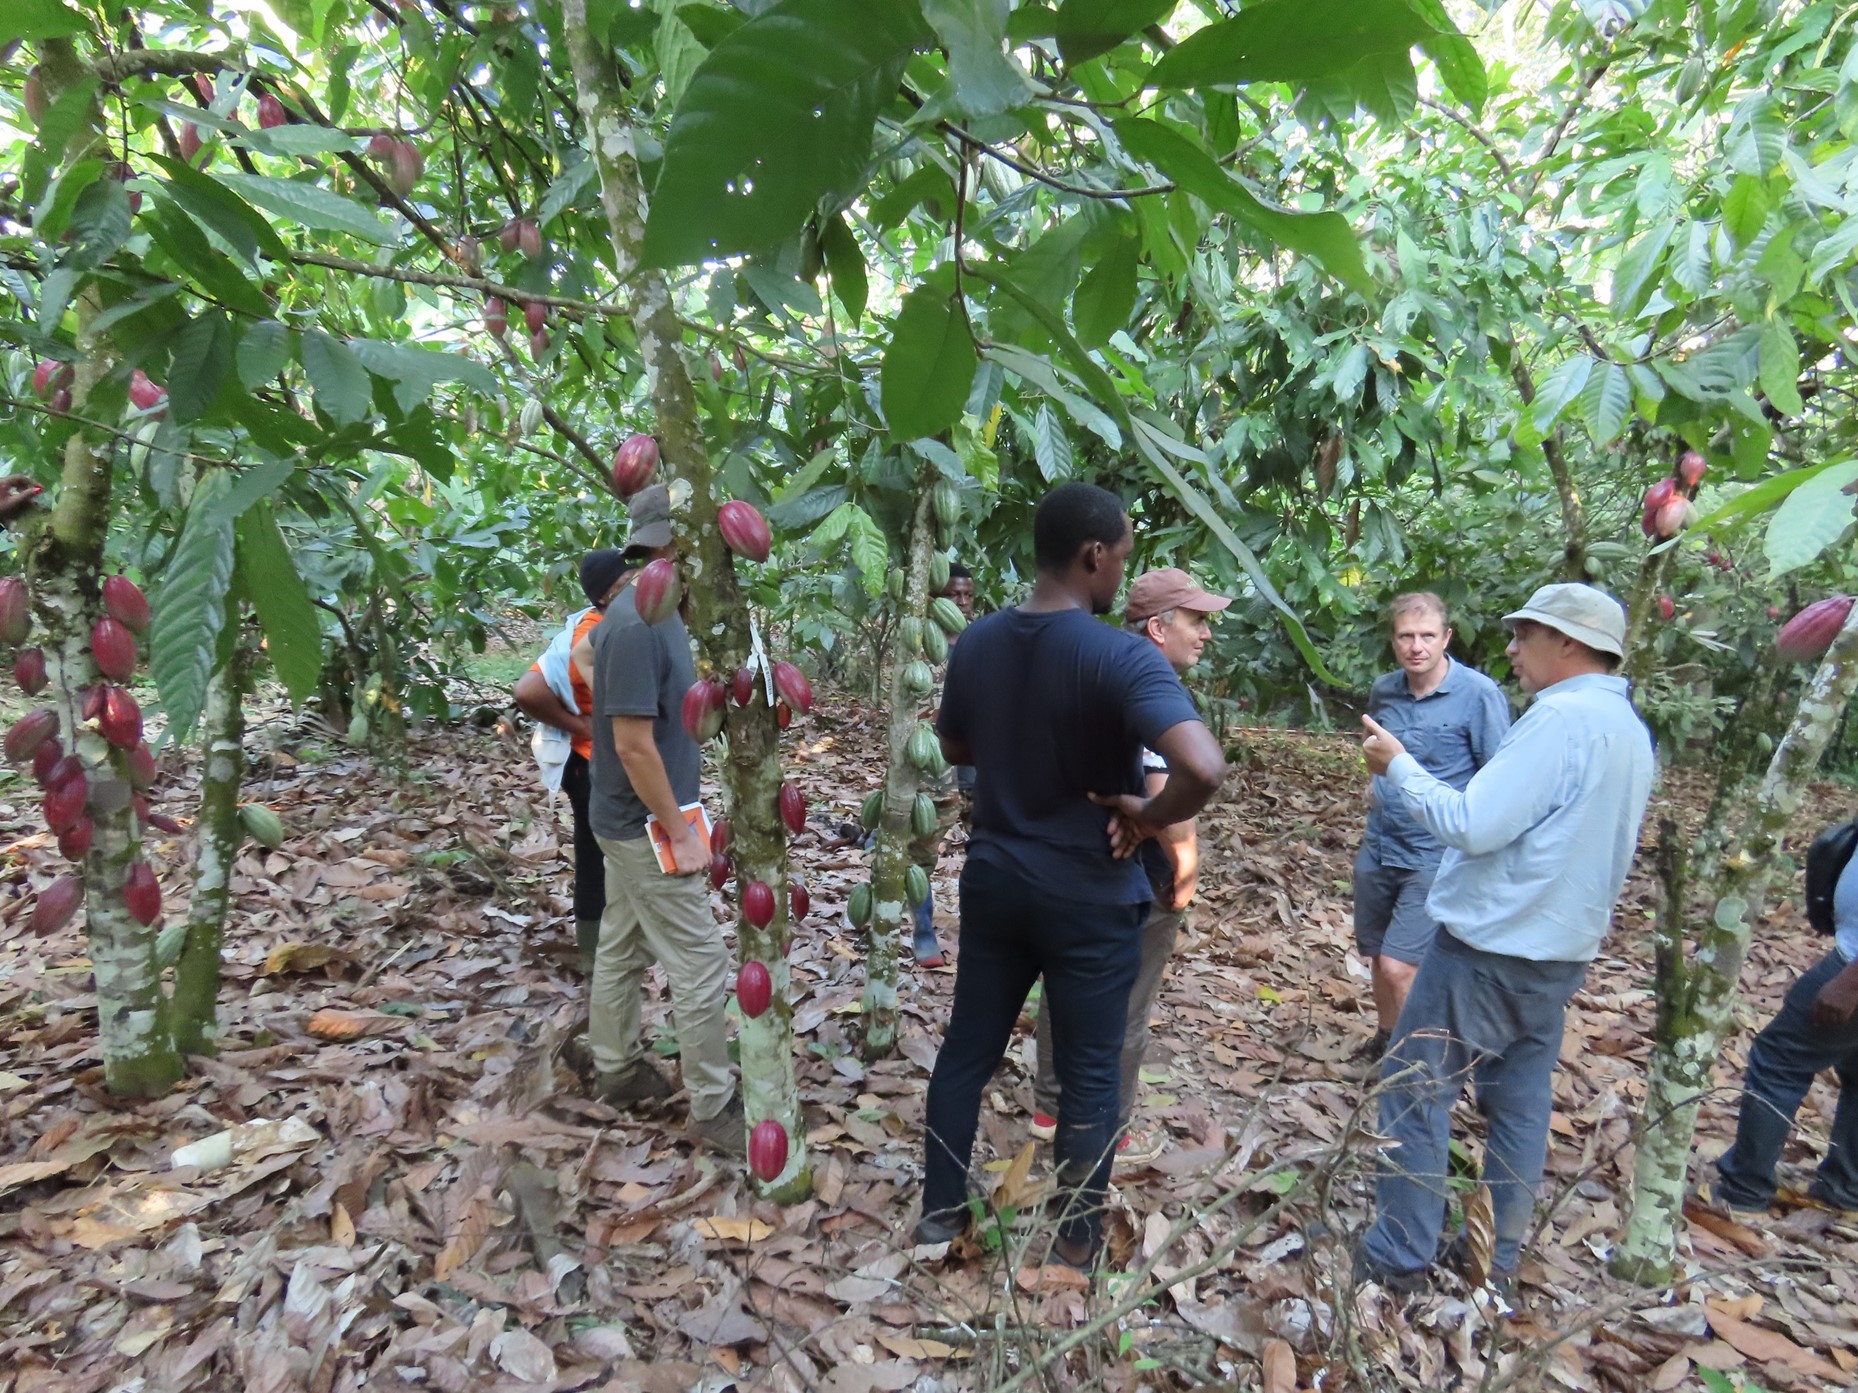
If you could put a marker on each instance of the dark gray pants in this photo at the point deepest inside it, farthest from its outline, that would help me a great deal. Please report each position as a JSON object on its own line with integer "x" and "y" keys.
{"x": 1159, "y": 932}
{"x": 1496, "y": 1022}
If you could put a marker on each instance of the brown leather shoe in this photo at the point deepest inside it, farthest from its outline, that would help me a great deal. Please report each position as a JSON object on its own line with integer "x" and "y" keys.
{"x": 727, "y": 1132}
{"x": 638, "y": 1082}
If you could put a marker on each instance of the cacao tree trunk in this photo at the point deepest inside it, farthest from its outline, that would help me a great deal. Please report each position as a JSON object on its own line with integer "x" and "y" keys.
{"x": 890, "y": 907}
{"x": 719, "y": 611}
{"x": 63, "y": 563}
{"x": 1573, "y": 510}
{"x": 1697, "y": 995}
{"x": 1641, "y": 628}
{"x": 218, "y": 834}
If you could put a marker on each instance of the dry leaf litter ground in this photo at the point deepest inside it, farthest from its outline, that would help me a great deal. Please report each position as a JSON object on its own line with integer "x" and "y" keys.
{"x": 417, "y": 1194}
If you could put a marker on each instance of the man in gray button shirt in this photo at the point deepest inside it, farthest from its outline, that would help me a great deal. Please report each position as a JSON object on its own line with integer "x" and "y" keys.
{"x": 1451, "y": 718}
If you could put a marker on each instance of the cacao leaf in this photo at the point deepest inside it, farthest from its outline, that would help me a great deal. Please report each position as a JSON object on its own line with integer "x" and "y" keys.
{"x": 240, "y": 226}
{"x": 930, "y": 363}
{"x": 1779, "y": 372}
{"x": 293, "y": 633}
{"x": 845, "y": 263}
{"x": 1813, "y": 517}
{"x": 1086, "y": 28}
{"x": 190, "y": 605}
{"x": 309, "y": 206}
{"x": 1455, "y": 56}
{"x": 985, "y": 79}
{"x": 1289, "y": 41}
{"x": 1745, "y": 209}
{"x": 263, "y": 351}
{"x": 1606, "y": 401}
{"x": 778, "y": 115}
{"x": 1562, "y": 386}
{"x": 415, "y": 371}
{"x": 1106, "y": 295}
{"x": 39, "y": 19}
{"x": 202, "y": 354}
{"x": 338, "y": 378}
{"x": 1050, "y": 446}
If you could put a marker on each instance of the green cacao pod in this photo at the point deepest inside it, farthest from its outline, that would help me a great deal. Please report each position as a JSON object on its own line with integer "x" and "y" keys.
{"x": 923, "y": 747}
{"x": 947, "y": 615}
{"x": 937, "y": 766}
{"x": 938, "y": 573}
{"x": 922, "y": 815}
{"x": 945, "y": 535}
{"x": 935, "y": 644}
{"x": 918, "y": 678}
{"x": 858, "y": 905}
{"x": 872, "y": 812}
{"x": 898, "y": 585}
{"x": 262, "y": 825}
{"x": 910, "y": 635}
{"x": 915, "y": 886}
{"x": 946, "y": 500}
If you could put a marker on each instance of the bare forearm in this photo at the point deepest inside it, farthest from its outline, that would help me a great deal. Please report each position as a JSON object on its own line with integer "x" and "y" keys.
{"x": 645, "y": 769}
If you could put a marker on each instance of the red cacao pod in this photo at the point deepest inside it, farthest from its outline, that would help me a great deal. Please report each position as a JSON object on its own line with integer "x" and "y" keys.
{"x": 50, "y": 375}
{"x": 529, "y": 238}
{"x": 1673, "y": 516}
{"x": 745, "y": 531}
{"x": 767, "y": 1150}
{"x": 742, "y": 686}
{"x": 538, "y": 345}
{"x": 716, "y": 368}
{"x": 758, "y": 903}
{"x": 1806, "y": 637}
{"x": 741, "y": 359}
{"x": 142, "y": 894}
{"x": 1667, "y": 608}
{"x": 126, "y": 603}
{"x": 189, "y": 142}
{"x": 535, "y": 315}
{"x": 783, "y": 715}
{"x": 656, "y": 592}
{"x": 121, "y": 721}
{"x": 1656, "y": 497}
{"x": 161, "y": 822}
{"x": 32, "y": 94}
{"x": 90, "y": 702}
{"x": 404, "y": 167}
{"x": 634, "y": 463}
{"x": 139, "y": 805}
{"x": 271, "y": 112}
{"x": 143, "y": 393}
{"x": 719, "y": 871}
{"x": 753, "y": 991}
{"x": 74, "y": 841}
{"x": 793, "y": 808}
{"x": 381, "y": 148}
{"x": 139, "y": 763}
{"x": 29, "y": 732}
{"x": 64, "y": 803}
{"x": 113, "y": 647}
{"x": 46, "y": 758}
{"x": 703, "y": 708}
{"x": 15, "y": 610}
{"x": 66, "y": 768}
{"x": 791, "y": 683}
{"x": 56, "y": 904}
{"x": 203, "y": 84}
{"x": 29, "y": 670}
{"x": 1691, "y": 467}
{"x": 496, "y": 317}
{"x": 61, "y": 401}
{"x": 799, "y": 898}
{"x": 721, "y": 835}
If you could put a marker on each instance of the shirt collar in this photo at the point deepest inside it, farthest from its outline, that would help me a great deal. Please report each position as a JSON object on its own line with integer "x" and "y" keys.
{"x": 1445, "y": 682}
{"x": 1603, "y": 681}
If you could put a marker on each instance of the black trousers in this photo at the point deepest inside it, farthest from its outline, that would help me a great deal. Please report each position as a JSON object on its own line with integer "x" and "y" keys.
{"x": 589, "y": 861}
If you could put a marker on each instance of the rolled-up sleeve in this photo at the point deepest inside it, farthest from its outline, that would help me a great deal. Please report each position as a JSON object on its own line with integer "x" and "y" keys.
{"x": 1505, "y": 798}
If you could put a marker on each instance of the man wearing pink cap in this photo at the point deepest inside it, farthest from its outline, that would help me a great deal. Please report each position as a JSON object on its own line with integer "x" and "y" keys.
{"x": 1174, "y": 614}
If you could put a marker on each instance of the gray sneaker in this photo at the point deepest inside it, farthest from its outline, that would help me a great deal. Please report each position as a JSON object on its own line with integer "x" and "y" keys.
{"x": 727, "y": 1132}
{"x": 638, "y": 1082}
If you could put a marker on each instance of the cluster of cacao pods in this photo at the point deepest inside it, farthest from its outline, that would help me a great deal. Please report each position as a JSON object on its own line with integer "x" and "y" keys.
{"x": 400, "y": 162}
{"x": 51, "y": 382}
{"x": 1667, "y": 508}
{"x": 70, "y": 795}
{"x": 1806, "y": 637}
{"x": 521, "y": 234}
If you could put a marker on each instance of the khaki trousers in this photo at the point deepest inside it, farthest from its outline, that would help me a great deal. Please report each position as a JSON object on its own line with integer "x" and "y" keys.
{"x": 650, "y": 915}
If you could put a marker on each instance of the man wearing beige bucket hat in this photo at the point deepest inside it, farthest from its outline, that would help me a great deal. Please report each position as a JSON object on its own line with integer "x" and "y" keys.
{"x": 1537, "y": 848}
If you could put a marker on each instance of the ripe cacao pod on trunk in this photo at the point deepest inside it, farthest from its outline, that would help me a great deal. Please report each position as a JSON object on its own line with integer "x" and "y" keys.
{"x": 703, "y": 708}
{"x": 793, "y": 808}
{"x": 29, "y": 732}
{"x": 74, "y": 841}
{"x": 15, "y": 610}
{"x": 719, "y": 870}
{"x": 915, "y": 886}
{"x": 657, "y": 590}
{"x": 753, "y": 989}
{"x": 113, "y": 648}
{"x": 758, "y": 903}
{"x": 56, "y": 904}
{"x": 744, "y": 530}
{"x": 721, "y": 835}
{"x": 124, "y": 601}
{"x": 791, "y": 683}
{"x": 799, "y": 898}
{"x": 783, "y": 715}
{"x": 767, "y": 1150}
{"x": 121, "y": 721}
{"x": 142, "y": 894}
{"x": 140, "y": 764}
{"x": 634, "y": 463}
{"x": 742, "y": 686}
{"x": 858, "y": 906}
{"x": 64, "y": 802}
{"x": 46, "y": 758}
{"x": 29, "y": 670}
{"x": 1806, "y": 637}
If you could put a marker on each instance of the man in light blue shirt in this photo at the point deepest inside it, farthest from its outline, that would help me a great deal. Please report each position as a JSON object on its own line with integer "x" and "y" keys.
{"x": 1538, "y": 846}
{"x": 1816, "y": 1029}
{"x": 1451, "y": 718}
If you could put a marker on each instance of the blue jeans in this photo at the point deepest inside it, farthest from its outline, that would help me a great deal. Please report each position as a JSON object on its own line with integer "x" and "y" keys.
{"x": 1011, "y": 934}
{"x": 1785, "y": 1058}
{"x": 1495, "y": 1021}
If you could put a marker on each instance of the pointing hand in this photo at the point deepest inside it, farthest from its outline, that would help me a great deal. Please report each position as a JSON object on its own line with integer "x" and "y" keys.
{"x": 1379, "y": 748}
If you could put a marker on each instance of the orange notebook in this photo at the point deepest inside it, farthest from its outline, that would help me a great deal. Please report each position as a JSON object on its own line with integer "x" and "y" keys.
{"x": 661, "y": 840}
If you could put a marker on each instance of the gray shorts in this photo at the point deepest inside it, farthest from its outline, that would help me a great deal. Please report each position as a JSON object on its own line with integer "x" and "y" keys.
{"x": 1390, "y": 910}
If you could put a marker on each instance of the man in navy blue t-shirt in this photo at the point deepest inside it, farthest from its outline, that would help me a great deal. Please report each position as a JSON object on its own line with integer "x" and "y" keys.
{"x": 1053, "y": 709}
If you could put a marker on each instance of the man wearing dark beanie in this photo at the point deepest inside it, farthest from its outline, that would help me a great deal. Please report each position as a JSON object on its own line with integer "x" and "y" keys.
{"x": 558, "y": 698}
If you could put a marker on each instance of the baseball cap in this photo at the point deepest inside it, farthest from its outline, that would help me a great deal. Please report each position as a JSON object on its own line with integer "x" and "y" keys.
{"x": 599, "y": 569}
{"x": 1156, "y": 592}
{"x": 650, "y": 511}
{"x": 1582, "y": 612}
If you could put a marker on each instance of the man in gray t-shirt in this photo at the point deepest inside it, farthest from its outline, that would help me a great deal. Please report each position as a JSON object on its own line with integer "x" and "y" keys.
{"x": 646, "y": 763}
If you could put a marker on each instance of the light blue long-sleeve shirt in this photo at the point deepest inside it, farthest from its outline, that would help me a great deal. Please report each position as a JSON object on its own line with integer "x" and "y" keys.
{"x": 1539, "y": 842}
